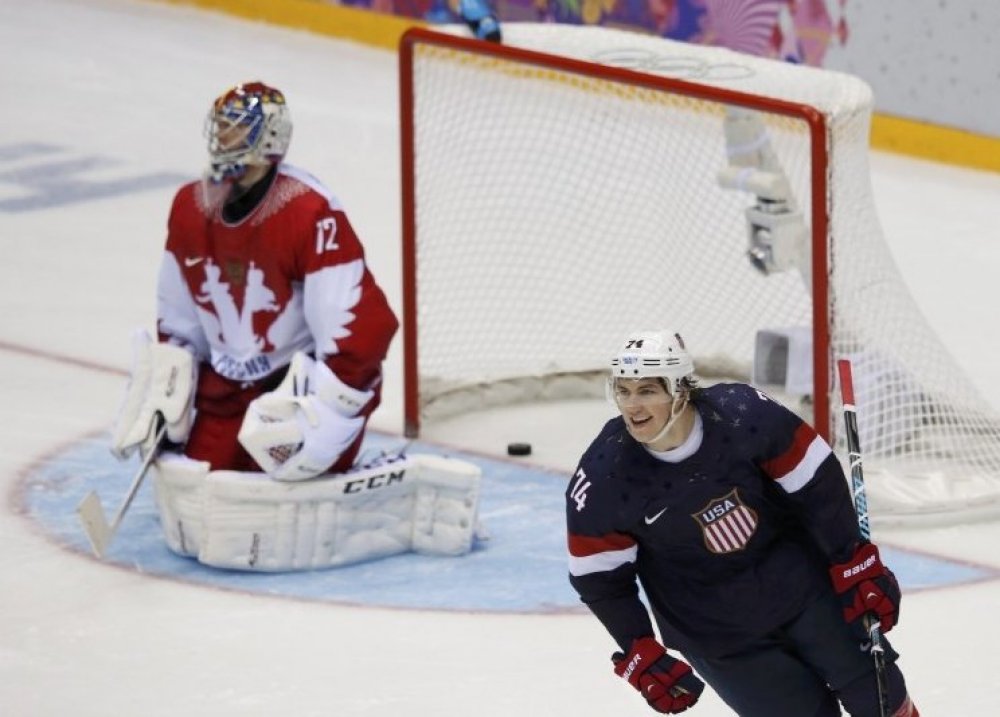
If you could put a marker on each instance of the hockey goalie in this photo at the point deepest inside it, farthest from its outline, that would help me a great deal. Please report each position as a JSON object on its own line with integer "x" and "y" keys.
{"x": 248, "y": 521}
{"x": 252, "y": 402}
{"x": 289, "y": 516}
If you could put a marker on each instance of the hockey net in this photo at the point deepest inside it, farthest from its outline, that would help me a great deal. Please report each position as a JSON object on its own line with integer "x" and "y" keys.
{"x": 563, "y": 188}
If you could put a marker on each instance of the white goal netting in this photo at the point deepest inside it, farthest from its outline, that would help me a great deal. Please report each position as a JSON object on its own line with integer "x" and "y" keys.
{"x": 557, "y": 205}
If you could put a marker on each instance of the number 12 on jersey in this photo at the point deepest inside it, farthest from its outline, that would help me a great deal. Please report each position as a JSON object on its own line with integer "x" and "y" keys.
{"x": 326, "y": 235}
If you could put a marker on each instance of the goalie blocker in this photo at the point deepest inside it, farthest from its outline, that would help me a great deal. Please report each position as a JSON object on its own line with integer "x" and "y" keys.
{"x": 247, "y": 521}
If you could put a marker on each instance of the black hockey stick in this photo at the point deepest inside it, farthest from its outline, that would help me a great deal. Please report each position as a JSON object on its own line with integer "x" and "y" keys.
{"x": 861, "y": 508}
{"x": 99, "y": 531}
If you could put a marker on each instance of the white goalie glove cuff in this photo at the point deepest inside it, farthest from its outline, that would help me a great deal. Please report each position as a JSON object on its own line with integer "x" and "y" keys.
{"x": 342, "y": 398}
{"x": 161, "y": 383}
{"x": 300, "y": 429}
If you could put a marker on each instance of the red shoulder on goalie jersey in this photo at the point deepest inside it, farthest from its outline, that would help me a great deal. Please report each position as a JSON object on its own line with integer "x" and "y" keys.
{"x": 264, "y": 283}
{"x": 735, "y": 517}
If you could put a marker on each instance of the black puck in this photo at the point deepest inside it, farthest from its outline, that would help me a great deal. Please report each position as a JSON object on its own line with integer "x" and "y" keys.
{"x": 518, "y": 449}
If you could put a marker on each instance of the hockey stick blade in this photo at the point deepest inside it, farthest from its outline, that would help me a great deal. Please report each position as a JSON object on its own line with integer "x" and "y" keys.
{"x": 95, "y": 524}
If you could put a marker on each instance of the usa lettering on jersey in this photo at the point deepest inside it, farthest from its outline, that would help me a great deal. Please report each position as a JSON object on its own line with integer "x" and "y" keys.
{"x": 727, "y": 524}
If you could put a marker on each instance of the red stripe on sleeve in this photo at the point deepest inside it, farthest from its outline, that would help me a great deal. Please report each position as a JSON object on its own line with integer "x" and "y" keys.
{"x": 580, "y": 546}
{"x": 782, "y": 465}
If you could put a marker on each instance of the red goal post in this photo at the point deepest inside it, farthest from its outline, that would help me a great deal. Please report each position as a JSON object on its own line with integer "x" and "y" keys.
{"x": 565, "y": 187}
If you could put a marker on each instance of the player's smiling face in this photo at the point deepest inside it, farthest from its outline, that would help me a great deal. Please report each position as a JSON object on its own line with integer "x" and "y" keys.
{"x": 645, "y": 405}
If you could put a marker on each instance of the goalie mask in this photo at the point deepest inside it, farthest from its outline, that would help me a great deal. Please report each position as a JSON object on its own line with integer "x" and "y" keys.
{"x": 248, "y": 125}
{"x": 654, "y": 354}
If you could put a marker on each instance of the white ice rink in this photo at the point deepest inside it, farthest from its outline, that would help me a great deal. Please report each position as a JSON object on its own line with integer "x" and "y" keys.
{"x": 102, "y": 104}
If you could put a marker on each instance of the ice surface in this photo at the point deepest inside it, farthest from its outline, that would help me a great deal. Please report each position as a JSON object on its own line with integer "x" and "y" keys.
{"x": 102, "y": 118}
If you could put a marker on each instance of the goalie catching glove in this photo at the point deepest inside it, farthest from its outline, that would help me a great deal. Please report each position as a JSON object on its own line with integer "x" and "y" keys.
{"x": 668, "y": 684}
{"x": 865, "y": 586}
{"x": 300, "y": 429}
{"x": 161, "y": 387}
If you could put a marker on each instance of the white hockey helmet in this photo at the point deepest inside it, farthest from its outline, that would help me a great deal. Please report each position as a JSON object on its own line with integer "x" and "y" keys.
{"x": 249, "y": 124}
{"x": 658, "y": 353}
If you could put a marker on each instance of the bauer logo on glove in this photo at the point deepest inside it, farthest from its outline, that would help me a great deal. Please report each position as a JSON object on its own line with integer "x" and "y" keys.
{"x": 668, "y": 684}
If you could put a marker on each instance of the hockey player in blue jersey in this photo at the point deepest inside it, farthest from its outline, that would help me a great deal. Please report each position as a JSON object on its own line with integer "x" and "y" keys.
{"x": 736, "y": 519}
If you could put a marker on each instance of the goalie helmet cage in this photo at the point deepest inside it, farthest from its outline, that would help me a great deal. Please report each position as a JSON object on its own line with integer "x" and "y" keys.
{"x": 563, "y": 188}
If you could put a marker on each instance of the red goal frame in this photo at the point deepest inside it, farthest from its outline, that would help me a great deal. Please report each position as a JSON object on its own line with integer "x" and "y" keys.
{"x": 818, "y": 201}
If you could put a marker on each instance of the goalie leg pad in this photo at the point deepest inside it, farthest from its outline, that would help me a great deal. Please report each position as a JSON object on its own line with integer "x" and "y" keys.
{"x": 423, "y": 503}
{"x": 446, "y": 507}
{"x": 179, "y": 484}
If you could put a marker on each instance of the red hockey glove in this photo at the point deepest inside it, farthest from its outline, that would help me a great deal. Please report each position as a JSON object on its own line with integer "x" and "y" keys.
{"x": 668, "y": 685}
{"x": 865, "y": 585}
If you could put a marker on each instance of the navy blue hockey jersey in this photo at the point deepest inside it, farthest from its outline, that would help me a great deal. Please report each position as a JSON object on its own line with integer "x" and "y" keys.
{"x": 728, "y": 543}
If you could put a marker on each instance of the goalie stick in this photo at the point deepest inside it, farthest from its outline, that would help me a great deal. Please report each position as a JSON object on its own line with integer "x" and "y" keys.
{"x": 861, "y": 508}
{"x": 95, "y": 524}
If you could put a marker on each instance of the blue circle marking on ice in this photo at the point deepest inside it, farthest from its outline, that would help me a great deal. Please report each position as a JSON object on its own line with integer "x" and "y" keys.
{"x": 520, "y": 567}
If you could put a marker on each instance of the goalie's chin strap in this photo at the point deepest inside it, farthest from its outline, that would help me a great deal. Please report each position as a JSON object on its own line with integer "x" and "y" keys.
{"x": 676, "y": 409}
